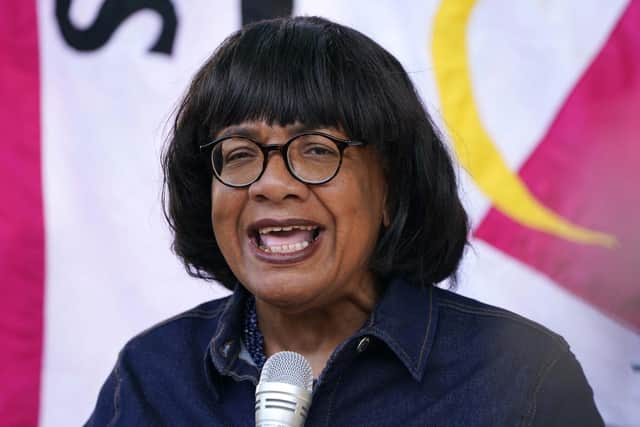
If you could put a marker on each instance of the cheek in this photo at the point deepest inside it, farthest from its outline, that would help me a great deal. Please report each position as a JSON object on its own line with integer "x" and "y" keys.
{"x": 217, "y": 213}
{"x": 358, "y": 215}
{"x": 226, "y": 208}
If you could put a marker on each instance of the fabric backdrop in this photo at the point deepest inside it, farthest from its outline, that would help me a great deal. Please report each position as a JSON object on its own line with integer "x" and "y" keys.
{"x": 539, "y": 101}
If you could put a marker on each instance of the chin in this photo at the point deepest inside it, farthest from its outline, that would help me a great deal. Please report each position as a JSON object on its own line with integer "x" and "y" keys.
{"x": 287, "y": 293}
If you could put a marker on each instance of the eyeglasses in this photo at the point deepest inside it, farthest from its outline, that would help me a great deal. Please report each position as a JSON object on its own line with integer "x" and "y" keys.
{"x": 311, "y": 157}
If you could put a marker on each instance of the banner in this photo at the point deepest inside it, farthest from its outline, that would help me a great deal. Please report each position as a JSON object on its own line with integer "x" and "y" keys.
{"x": 538, "y": 101}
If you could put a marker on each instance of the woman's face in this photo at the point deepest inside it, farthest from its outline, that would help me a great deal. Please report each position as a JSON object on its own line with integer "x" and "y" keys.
{"x": 299, "y": 246}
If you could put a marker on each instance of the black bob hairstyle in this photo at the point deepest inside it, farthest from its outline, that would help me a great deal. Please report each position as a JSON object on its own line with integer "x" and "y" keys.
{"x": 321, "y": 74}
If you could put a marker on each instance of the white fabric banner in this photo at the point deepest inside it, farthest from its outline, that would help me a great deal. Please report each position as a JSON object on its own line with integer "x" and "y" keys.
{"x": 106, "y": 111}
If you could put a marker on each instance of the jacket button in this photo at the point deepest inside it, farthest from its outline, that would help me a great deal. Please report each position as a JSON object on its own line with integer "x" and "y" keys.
{"x": 226, "y": 348}
{"x": 363, "y": 344}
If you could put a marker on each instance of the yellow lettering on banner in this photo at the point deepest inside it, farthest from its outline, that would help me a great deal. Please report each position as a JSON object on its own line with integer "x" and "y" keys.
{"x": 472, "y": 144}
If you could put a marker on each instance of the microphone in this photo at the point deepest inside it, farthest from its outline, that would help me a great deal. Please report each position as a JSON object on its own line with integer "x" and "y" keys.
{"x": 283, "y": 394}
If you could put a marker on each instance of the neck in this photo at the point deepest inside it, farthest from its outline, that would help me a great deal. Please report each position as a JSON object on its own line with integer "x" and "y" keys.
{"x": 315, "y": 333}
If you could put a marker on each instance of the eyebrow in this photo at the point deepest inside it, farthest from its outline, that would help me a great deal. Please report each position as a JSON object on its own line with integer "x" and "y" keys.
{"x": 251, "y": 132}
{"x": 238, "y": 130}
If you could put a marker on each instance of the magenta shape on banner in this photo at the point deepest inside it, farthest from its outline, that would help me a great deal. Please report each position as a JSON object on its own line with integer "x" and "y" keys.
{"x": 21, "y": 216}
{"x": 587, "y": 169}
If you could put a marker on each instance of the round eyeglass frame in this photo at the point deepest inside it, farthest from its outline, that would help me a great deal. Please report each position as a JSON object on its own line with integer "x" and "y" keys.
{"x": 341, "y": 143}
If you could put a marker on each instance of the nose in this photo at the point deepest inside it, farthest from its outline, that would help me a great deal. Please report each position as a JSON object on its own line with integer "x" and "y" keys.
{"x": 276, "y": 183}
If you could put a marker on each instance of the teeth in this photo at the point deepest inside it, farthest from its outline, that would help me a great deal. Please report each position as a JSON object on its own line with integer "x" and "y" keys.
{"x": 266, "y": 230}
{"x": 280, "y": 249}
{"x": 285, "y": 248}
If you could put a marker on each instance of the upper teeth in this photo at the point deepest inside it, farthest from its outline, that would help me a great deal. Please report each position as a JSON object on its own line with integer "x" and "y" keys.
{"x": 265, "y": 230}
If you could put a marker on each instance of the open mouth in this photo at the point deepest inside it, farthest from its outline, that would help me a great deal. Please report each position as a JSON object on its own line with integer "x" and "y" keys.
{"x": 284, "y": 239}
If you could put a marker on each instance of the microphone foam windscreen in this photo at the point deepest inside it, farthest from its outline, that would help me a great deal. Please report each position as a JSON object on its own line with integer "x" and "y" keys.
{"x": 288, "y": 367}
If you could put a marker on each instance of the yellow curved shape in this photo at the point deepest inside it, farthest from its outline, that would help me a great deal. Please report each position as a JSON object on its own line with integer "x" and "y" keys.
{"x": 480, "y": 157}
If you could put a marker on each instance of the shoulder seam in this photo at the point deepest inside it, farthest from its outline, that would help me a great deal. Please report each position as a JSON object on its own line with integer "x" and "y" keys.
{"x": 533, "y": 399}
{"x": 193, "y": 313}
{"x": 116, "y": 394}
{"x": 507, "y": 315}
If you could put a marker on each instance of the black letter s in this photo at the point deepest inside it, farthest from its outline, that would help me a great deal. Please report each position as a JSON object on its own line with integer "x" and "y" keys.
{"x": 112, "y": 13}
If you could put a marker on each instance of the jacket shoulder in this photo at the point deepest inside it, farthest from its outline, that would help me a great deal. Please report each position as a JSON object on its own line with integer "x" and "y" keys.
{"x": 534, "y": 367}
{"x": 151, "y": 365}
{"x": 194, "y": 326}
{"x": 480, "y": 317}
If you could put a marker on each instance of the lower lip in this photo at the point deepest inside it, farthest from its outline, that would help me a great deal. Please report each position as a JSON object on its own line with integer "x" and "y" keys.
{"x": 285, "y": 258}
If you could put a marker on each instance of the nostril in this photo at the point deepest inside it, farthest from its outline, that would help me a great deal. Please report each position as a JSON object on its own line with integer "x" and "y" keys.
{"x": 277, "y": 184}
{"x": 276, "y": 181}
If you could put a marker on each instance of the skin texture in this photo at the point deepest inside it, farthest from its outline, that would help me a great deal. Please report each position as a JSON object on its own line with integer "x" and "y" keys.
{"x": 312, "y": 305}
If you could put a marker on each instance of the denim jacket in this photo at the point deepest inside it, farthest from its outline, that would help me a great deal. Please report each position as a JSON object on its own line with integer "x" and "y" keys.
{"x": 426, "y": 357}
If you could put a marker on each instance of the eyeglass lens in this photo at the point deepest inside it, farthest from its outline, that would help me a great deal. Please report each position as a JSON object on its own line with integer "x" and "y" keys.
{"x": 239, "y": 161}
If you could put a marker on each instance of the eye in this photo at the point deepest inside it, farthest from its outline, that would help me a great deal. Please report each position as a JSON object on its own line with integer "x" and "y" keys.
{"x": 238, "y": 151}
{"x": 239, "y": 154}
{"x": 316, "y": 146}
{"x": 318, "y": 150}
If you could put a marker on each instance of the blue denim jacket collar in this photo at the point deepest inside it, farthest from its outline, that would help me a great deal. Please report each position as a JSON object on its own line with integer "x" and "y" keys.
{"x": 483, "y": 366}
{"x": 404, "y": 319}
{"x": 221, "y": 357}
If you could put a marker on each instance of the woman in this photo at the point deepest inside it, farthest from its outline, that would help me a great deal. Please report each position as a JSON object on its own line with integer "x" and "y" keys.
{"x": 304, "y": 174}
